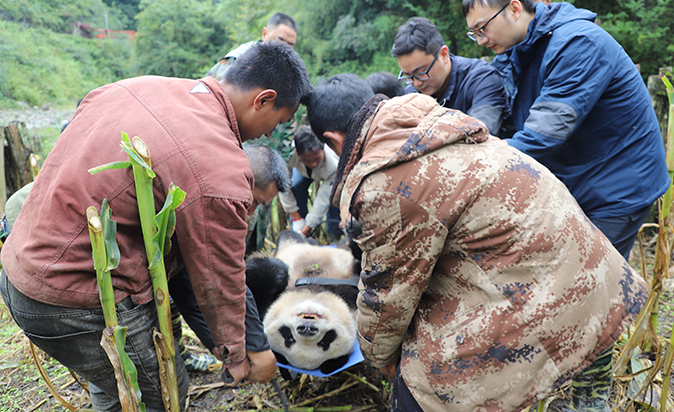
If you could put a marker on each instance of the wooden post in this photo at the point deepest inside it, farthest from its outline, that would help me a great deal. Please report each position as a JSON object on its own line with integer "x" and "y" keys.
{"x": 16, "y": 159}
{"x": 659, "y": 97}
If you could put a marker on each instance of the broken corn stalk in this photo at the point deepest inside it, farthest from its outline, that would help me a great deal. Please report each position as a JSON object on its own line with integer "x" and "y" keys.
{"x": 102, "y": 232}
{"x": 157, "y": 230}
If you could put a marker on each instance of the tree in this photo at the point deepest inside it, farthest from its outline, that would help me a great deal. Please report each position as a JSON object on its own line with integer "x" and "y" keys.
{"x": 176, "y": 38}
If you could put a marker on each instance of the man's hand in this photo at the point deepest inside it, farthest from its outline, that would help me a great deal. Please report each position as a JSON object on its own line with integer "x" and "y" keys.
{"x": 298, "y": 225}
{"x": 234, "y": 373}
{"x": 390, "y": 369}
{"x": 263, "y": 366}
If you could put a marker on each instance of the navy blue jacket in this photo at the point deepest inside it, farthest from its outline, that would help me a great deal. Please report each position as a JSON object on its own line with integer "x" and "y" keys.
{"x": 581, "y": 108}
{"x": 476, "y": 89}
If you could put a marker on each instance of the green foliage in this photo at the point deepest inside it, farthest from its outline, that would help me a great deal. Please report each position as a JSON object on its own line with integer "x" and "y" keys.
{"x": 176, "y": 38}
{"x": 184, "y": 38}
{"x": 39, "y": 66}
{"x": 127, "y": 11}
{"x": 644, "y": 29}
{"x": 59, "y": 16}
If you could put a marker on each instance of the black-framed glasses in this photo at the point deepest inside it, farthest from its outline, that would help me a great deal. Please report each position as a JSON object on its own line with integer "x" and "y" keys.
{"x": 421, "y": 76}
{"x": 479, "y": 33}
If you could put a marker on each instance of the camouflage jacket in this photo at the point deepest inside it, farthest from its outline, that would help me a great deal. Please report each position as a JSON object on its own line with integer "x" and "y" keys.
{"x": 477, "y": 261}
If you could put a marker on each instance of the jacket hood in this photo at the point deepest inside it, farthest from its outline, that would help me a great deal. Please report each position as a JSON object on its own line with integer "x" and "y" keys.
{"x": 399, "y": 130}
{"x": 550, "y": 18}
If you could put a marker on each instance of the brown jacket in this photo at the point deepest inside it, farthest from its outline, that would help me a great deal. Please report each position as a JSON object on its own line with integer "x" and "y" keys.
{"x": 191, "y": 131}
{"x": 477, "y": 261}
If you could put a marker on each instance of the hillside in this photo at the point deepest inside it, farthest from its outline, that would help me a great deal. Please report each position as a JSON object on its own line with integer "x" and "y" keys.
{"x": 40, "y": 66}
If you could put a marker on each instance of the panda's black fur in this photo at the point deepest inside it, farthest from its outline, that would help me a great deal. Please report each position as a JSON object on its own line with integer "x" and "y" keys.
{"x": 322, "y": 335}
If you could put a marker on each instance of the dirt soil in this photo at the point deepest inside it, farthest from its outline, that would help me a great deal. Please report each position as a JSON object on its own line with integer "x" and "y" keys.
{"x": 360, "y": 388}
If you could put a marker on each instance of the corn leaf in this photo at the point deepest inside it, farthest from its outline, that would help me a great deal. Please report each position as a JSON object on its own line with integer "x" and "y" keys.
{"x": 108, "y": 166}
{"x": 165, "y": 221}
{"x": 109, "y": 234}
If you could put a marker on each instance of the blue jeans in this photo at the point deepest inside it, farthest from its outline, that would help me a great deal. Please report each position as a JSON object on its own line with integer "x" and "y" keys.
{"x": 622, "y": 230}
{"x": 72, "y": 336}
{"x": 300, "y": 189}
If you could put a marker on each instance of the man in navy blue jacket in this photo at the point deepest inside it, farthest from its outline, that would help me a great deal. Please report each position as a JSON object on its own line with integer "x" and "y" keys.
{"x": 469, "y": 85}
{"x": 579, "y": 107}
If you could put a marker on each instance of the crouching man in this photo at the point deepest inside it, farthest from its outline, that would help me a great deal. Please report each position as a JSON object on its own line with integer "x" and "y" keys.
{"x": 484, "y": 286}
{"x": 194, "y": 130}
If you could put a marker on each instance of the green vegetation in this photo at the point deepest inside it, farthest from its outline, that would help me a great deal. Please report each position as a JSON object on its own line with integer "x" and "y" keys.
{"x": 40, "y": 66}
{"x": 42, "y": 62}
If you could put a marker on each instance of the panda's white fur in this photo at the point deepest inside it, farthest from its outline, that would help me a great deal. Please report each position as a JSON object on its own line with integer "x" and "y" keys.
{"x": 322, "y": 327}
{"x": 305, "y": 260}
{"x": 311, "y": 325}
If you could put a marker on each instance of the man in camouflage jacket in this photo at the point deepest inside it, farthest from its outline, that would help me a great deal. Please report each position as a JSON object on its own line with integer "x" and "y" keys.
{"x": 482, "y": 279}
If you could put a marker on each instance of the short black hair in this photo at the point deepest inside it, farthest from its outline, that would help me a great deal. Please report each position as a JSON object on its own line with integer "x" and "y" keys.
{"x": 281, "y": 18}
{"x": 271, "y": 65}
{"x": 418, "y": 33}
{"x": 306, "y": 141}
{"x": 334, "y": 101}
{"x": 468, "y": 5}
{"x": 268, "y": 166}
{"x": 385, "y": 83}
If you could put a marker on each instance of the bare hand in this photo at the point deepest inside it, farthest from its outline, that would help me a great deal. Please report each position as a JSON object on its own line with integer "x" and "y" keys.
{"x": 263, "y": 366}
{"x": 390, "y": 369}
{"x": 236, "y": 371}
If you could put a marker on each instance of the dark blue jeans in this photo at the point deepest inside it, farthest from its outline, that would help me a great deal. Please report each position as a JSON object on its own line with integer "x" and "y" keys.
{"x": 72, "y": 336}
{"x": 300, "y": 189}
{"x": 622, "y": 230}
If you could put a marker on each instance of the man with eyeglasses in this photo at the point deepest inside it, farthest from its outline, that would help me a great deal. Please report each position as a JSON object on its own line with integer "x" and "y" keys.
{"x": 469, "y": 85}
{"x": 580, "y": 107}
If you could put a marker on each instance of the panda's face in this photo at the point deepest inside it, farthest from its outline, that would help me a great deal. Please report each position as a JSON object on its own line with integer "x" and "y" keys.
{"x": 310, "y": 328}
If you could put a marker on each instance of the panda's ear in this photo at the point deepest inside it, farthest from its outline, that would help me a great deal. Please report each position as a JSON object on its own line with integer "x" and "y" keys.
{"x": 332, "y": 365}
{"x": 286, "y": 374}
{"x": 289, "y": 236}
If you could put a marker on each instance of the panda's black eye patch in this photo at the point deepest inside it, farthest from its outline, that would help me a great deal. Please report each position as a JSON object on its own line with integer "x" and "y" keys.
{"x": 329, "y": 337}
{"x": 287, "y": 336}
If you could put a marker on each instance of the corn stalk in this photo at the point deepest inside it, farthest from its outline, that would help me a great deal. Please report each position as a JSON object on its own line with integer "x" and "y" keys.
{"x": 102, "y": 232}
{"x": 667, "y": 204}
{"x": 660, "y": 272}
{"x": 157, "y": 230}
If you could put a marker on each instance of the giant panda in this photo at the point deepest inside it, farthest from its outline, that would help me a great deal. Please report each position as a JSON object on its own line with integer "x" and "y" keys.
{"x": 309, "y": 326}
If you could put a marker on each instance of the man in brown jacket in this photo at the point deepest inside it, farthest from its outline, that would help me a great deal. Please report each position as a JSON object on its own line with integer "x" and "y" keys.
{"x": 484, "y": 286}
{"x": 194, "y": 130}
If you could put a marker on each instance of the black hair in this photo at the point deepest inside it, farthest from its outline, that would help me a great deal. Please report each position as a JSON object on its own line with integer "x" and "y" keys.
{"x": 334, "y": 101}
{"x": 306, "y": 141}
{"x": 268, "y": 166}
{"x": 385, "y": 83}
{"x": 468, "y": 5}
{"x": 418, "y": 33}
{"x": 271, "y": 65}
{"x": 281, "y": 18}
{"x": 267, "y": 278}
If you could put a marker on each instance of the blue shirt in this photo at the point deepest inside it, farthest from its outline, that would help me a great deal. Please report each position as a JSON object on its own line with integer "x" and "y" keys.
{"x": 475, "y": 88}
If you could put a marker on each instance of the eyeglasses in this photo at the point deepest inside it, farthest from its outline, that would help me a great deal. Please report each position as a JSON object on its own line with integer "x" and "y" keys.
{"x": 479, "y": 33}
{"x": 422, "y": 76}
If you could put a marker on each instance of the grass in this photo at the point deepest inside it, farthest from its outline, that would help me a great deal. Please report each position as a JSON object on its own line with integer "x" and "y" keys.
{"x": 21, "y": 387}
{"x": 40, "y": 66}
